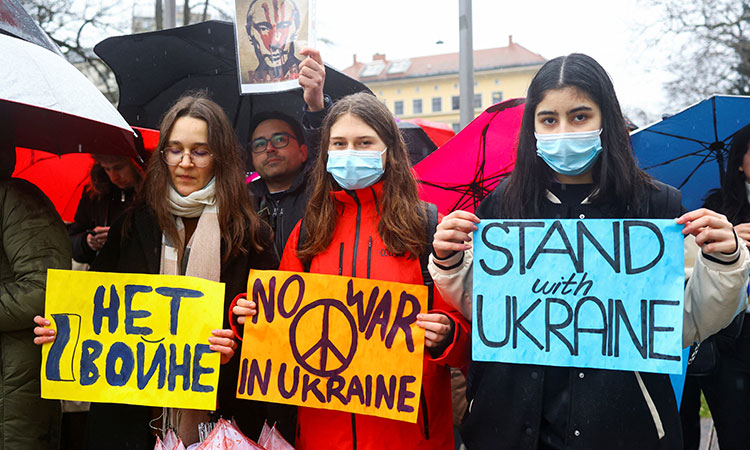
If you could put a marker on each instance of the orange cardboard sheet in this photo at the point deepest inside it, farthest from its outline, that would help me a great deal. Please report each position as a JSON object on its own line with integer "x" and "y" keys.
{"x": 342, "y": 343}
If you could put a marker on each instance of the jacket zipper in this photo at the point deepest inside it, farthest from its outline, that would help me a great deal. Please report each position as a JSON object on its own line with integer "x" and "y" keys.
{"x": 369, "y": 255}
{"x": 279, "y": 229}
{"x": 354, "y": 432}
{"x": 425, "y": 418}
{"x": 341, "y": 258}
{"x": 356, "y": 233}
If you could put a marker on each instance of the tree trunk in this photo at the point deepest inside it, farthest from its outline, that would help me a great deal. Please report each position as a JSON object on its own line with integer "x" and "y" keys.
{"x": 186, "y": 13}
{"x": 159, "y": 15}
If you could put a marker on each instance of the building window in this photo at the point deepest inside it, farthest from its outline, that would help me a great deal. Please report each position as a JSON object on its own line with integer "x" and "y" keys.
{"x": 456, "y": 127}
{"x": 398, "y": 91}
{"x": 456, "y": 103}
{"x": 416, "y": 106}
{"x": 398, "y": 107}
{"x": 437, "y": 87}
{"x": 416, "y": 89}
{"x": 455, "y": 85}
{"x": 477, "y": 101}
{"x": 437, "y": 104}
{"x": 497, "y": 81}
{"x": 497, "y": 97}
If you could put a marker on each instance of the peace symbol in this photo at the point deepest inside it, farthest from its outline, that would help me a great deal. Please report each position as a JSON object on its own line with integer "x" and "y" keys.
{"x": 324, "y": 345}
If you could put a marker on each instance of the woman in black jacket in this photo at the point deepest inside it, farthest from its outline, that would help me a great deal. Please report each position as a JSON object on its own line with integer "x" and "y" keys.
{"x": 574, "y": 161}
{"x": 193, "y": 216}
{"x": 726, "y": 386}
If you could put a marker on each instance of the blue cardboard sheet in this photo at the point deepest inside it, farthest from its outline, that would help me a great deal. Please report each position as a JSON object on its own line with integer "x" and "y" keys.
{"x": 598, "y": 293}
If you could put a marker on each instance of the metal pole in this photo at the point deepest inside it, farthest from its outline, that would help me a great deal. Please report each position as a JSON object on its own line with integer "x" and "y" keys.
{"x": 170, "y": 14}
{"x": 465, "y": 63}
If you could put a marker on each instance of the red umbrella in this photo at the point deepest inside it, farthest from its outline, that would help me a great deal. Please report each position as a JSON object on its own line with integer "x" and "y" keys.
{"x": 440, "y": 133}
{"x": 63, "y": 177}
{"x": 461, "y": 173}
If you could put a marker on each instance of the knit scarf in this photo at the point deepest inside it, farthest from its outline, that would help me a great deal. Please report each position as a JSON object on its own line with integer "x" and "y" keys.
{"x": 204, "y": 261}
{"x": 203, "y": 250}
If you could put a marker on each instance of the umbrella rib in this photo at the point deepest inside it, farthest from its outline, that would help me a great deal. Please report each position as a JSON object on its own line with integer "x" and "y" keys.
{"x": 676, "y": 136}
{"x": 693, "y": 171}
{"x": 669, "y": 161}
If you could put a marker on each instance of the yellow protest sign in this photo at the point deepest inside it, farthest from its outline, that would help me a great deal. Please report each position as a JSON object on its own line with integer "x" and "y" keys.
{"x": 333, "y": 342}
{"x": 132, "y": 338}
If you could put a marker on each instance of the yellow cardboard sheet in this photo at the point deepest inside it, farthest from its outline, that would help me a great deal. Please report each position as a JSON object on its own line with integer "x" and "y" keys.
{"x": 132, "y": 338}
{"x": 332, "y": 342}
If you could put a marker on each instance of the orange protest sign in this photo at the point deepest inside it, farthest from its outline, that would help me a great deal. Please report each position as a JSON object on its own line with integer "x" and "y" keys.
{"x": 333, "y": 342}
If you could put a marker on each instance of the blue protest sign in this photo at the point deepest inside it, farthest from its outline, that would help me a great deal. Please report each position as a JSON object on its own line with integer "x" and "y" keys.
{"x": 599, "y": 293}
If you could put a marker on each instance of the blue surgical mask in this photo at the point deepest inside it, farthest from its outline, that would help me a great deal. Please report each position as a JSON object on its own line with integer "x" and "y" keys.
{"x": 569, "y": 153}
{"x": 355, "y": 169}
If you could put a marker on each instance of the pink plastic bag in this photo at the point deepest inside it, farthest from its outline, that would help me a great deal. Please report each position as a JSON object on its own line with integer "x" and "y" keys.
{"x": 227, "y": 437}
{"x": 271, "y": 439}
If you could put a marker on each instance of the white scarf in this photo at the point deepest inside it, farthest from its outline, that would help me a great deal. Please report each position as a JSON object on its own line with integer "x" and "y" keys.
{"x": 191, "y": 205}
{"x": 204, "y": 260}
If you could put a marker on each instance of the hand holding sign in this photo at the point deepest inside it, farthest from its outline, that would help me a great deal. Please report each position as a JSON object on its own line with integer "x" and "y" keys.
{"x": 43, "y": 333}
{"x": 437, "y": 328}
{"x": 244, "y": 308}
{"x": 453, "y": 233}
{"x": 312, "y": 77}
{"x": 712, "y": 231}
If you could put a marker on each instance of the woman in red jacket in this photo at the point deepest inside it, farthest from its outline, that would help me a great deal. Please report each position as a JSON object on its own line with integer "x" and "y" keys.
{"x": 364, "y": 219}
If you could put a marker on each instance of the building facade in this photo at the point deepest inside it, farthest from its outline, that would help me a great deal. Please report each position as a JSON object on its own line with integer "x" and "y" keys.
{"x": 427, "y": 86}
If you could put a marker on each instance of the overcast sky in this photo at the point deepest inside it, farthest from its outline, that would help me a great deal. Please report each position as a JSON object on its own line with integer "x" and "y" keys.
{"x": 609, "y": 31}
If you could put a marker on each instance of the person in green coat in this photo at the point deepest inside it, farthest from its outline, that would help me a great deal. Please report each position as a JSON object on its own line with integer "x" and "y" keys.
{"x": 32, "y": 240}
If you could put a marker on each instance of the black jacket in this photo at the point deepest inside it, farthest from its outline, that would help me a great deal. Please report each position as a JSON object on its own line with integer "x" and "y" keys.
{"x": 284, "y": 211}
{"x": 117, "y": 426}
{"x": 511, "y": 406}
{"x": 99, "y": 212}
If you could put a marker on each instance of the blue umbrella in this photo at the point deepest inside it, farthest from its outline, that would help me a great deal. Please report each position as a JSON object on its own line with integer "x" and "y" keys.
{"x": 689, "y": 149}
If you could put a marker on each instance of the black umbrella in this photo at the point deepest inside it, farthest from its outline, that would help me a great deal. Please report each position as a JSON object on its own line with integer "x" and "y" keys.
{"x": 154, "y": 69}
{"x": 418, "y": 144}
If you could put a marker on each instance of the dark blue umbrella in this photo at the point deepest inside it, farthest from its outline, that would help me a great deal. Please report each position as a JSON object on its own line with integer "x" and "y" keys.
{"x": 689, "y": 149}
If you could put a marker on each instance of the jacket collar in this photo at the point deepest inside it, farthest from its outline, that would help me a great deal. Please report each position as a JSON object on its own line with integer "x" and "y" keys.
{"x": 260, "y": 189}
{"x": 368, "y": 197}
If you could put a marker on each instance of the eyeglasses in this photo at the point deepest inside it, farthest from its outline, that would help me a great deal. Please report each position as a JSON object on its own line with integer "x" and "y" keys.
{"x": 277, "y": 141}
{"x": 198, "y": 156}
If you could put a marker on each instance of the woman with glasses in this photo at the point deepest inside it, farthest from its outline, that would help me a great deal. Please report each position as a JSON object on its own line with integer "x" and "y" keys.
{"x": 193, "y": 216}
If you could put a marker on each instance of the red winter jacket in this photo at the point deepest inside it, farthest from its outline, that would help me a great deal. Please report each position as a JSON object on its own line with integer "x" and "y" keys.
{"x": 357, "y": 250}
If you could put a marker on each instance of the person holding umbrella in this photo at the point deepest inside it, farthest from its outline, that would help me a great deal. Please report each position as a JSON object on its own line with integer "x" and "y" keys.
{"x": 574, "y": 161}
{"x": 193, "y": 216}
{"x": 32, "y": 240}
{"x": 363, "y": 181}
{"x": 725, "y": 382}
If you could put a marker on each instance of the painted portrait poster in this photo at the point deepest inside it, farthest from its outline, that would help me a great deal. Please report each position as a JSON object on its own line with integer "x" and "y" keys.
{"x": 269, "y": 36}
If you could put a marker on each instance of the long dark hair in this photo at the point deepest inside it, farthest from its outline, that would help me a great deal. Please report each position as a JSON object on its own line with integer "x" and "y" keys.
{"x": 238, "y": 220}
{"x": 615, "y": 174}
{"x": 400, "y": 228}
{"x": 731, "y": 199}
